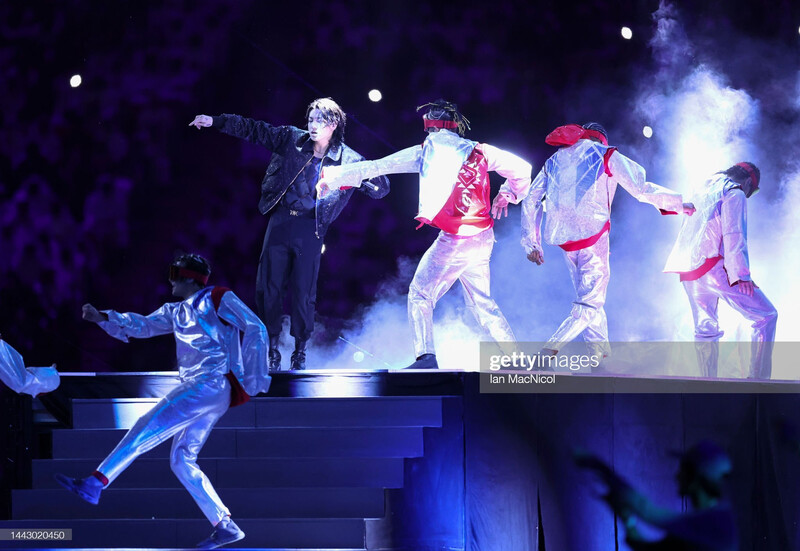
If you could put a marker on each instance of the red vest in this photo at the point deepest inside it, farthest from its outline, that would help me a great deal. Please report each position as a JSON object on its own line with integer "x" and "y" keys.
{"x": 469, "y": 203}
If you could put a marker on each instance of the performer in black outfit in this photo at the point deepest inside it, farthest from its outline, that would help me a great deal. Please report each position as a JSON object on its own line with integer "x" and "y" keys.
{"x": 298, "y": 219}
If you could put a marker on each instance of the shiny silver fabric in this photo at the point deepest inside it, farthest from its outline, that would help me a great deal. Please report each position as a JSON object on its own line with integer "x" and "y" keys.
{"x": 719, "y": 227}
{"x": 438, "y": 162}
{"x": 25, "y": 380}
{"x": 577, "y": 194}
{"x": 203, "y": 344}
{"x": 443, "y": 155}
{"x": 207, "y": 349}
{"x": 589, "y": 271}
{"x": 407, "y": 160}
{"x": 452, "y": 258}
{"x": 704, "y": 296}
{"x": 187, "y": 413}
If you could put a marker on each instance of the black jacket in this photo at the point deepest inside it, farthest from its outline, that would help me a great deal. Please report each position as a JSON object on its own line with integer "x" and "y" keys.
{"x": 291, "y": 149}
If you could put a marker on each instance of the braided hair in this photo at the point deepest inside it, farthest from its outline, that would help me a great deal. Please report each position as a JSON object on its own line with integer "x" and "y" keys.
{"x": 445, "y": 110}
{"x": 740, "y": 174}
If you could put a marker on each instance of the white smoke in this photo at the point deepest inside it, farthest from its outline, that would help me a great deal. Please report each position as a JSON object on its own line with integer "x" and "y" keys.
{"x": 702, "y": 124}
{"x": 380, "y": 337}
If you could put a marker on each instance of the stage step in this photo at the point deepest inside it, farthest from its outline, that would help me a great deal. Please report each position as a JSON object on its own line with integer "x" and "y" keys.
{"x": 296, "y": 472}
{"x": 411, "y": 411}
{"x": 156, "y": 503}
{"x": 225, "y": 443}
{"x": 264, "y": 534}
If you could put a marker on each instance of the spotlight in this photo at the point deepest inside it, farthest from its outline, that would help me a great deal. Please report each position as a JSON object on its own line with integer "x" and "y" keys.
{"x": 75, "y": 81}
{"x": 375, "y": 95}
{"x": 323, "y": 249}
{"x": 358, "y": 356}
{"x": 627, "y": 33}
{"x": 647, "y": 131}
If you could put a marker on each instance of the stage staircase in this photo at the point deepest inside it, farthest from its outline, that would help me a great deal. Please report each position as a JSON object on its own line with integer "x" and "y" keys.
{"x": 296, "y": 472}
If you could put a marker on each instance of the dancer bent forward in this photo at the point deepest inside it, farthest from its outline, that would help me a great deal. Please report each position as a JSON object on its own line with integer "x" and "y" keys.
{"x": 711, "y": 257}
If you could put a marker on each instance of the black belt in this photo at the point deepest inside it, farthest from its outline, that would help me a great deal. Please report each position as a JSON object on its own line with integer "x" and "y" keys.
{"x": 298, "y": 213}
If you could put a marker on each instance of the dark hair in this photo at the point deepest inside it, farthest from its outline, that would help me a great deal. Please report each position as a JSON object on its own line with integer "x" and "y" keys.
{"x": 441, "y": 110}
{"x": 331, "y": 114}
{"x": 740, "y": 174}
{"x": 597, "y": 127}
{"x": 193, "y": 262}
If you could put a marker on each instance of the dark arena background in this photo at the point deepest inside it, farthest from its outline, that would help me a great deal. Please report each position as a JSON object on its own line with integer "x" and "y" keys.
{"x": 103, "y": 183}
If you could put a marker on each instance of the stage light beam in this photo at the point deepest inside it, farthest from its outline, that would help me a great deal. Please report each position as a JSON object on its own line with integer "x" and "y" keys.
{"x": 647, "y": 131}
{"x": 75, "y": 81}
{"x": 627, "y": 33}
{"x": 375, "y": 95}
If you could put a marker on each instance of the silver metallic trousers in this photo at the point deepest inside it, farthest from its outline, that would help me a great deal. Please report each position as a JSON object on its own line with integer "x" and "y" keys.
{"x": 704, "y": 295}
{"x": 452, "y": 258}
{"x": 590, "y": 272}
{"x": 187, "y": 413}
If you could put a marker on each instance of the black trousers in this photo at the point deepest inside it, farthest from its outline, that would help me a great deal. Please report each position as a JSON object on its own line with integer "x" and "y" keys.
{"x": 289, "y": 260}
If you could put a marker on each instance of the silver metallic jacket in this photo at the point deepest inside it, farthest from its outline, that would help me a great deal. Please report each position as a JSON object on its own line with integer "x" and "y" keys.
{"x": 207, "y": 339}
{"x": 21, "y": 379}
{"x": 438, "y": 161}
{"x": 719, "y": 227}
{"x": 578, "y": 194}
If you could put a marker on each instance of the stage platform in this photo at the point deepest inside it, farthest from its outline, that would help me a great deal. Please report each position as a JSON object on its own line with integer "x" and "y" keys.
{"x": 425, "y": 460}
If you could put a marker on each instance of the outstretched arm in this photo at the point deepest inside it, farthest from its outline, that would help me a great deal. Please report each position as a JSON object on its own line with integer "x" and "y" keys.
{"x": 255, "y": 378}
{"x": 631, "y": 176}
{"x": 351, "y": 175}
{"x": 123, "y": 326}
{"x": 254, "y": 131}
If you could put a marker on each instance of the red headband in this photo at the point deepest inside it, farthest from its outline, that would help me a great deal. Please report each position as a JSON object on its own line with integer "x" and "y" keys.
{"x": 177, "y": 271}
{"x": 432, "y": 123}
{"x": 750, "y": 171}
{"x": 571, "y": 133}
